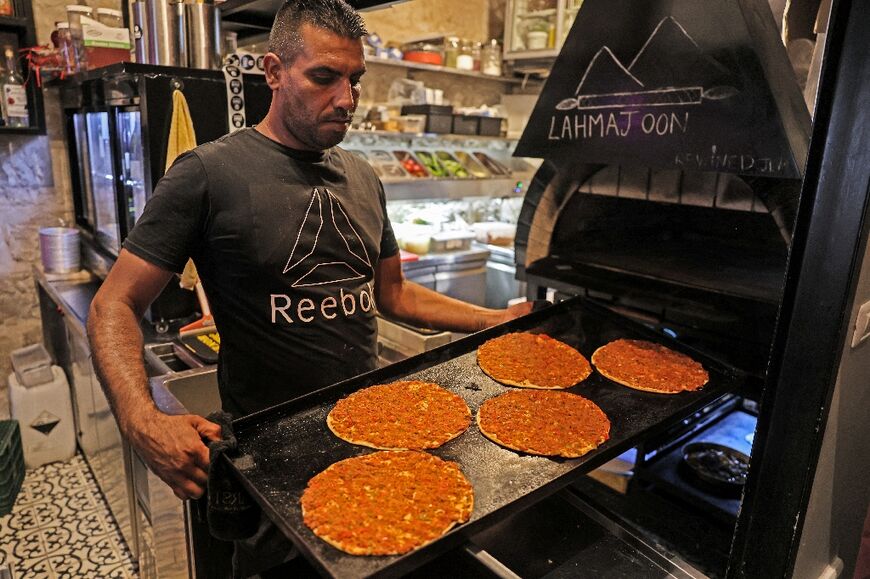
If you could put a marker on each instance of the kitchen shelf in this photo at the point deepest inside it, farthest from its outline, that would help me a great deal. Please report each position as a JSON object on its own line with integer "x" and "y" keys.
{"x": 407, "y": 188}
{"x": 442, "y": 136}
{"x": 545, "y": 54}
{"x": 430, "y": 179}
{"x": 252, "y": 19}
{"x": 429, "y": 188}
{"x": 537, "y": 13}
{"x": 13, "y": 22}
{"x": 21, "y": 131}
{"x": 442, "y": 69}
{"x": 22, "y": 27}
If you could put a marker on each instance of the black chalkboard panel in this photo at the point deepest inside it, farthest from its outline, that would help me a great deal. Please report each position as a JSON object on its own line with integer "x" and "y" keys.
{"x": 699, "y": 85}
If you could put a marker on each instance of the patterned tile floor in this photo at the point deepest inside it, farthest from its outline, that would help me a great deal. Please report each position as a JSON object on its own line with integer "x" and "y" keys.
{"x": 60, "y": 527}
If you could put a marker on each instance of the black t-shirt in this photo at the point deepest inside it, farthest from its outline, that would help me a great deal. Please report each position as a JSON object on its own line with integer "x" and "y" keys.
{"x": 285, "y": 243}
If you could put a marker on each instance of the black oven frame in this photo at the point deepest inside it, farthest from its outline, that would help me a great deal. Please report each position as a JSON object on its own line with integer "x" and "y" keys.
{"x": 829, "y": 238}
{"x": 821, "y": 281}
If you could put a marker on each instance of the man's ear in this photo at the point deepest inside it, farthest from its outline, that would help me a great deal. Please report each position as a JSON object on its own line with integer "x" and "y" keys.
{"x": 274, "y": 68}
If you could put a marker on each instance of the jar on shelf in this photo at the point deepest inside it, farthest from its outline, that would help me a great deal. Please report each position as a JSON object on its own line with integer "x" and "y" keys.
{"x": 537, "y": 34}
{"x": 63, "y": 41}
{"x": 476, "y": 50}
{"x": 540, "y": 5}
{"x": 465, "y": 60}
{"x": 451, "y": 51}
{"x": 110, "y": 17}
{"x": 74, "y": 14}
{"x": 490, "y": 58}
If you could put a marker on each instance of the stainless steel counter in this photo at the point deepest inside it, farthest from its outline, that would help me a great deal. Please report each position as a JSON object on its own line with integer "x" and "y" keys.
{"x": 502, "y": 284}
{"x": 458, "y": 274}
{"x": 64, "y": 305}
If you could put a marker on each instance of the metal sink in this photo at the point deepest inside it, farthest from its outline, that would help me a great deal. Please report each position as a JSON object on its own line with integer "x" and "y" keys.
{"x": 167, "y": 357}
{"x": 167, "y": 527}
{"x": 181, "y": 384}
{"x": 188, "y": 392}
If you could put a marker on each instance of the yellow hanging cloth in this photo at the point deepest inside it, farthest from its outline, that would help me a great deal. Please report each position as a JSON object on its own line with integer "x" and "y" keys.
{"x": 182, "y": 138}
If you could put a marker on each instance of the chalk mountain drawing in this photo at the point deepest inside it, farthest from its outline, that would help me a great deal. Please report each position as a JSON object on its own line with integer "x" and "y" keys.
{"x": 325, "y": 222}
{"x": 669, "y": 70}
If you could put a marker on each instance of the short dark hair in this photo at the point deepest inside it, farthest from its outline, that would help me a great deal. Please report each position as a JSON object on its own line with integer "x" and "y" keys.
{"x": 337, "y": 16}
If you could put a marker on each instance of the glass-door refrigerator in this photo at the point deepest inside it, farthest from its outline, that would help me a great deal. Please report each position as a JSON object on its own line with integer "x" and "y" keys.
{"x": 118, "y": 121}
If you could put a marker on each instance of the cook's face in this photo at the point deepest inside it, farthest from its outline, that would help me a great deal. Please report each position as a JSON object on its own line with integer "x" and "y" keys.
{"x": 320, "y": 89}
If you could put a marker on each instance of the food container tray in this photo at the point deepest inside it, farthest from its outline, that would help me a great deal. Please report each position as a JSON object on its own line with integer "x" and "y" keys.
{"x": 439, "y": 118}
{"x": 386, "y": 164}
{"x": 474, "y": 167}
{"x": 284, "y": 446}
{"x": 364, "y": 157}
{"x": 491, "y": 164}
{"x": 453, "y": 167}
{"x": 489, "y": 126}
{"x": 432, "y": 164}
{"x": 451, "y": 241}
{"x": 410, "y": 164}
{"x": 465, "y": 125}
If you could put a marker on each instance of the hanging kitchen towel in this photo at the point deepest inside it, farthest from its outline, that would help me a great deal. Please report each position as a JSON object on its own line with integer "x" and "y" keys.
{"x": 182, "y": 138}
{"x": 232, "y": 514}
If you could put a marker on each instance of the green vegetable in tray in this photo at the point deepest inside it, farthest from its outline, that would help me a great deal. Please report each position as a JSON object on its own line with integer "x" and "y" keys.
{"x": 431, "y": 163}
{"x": 472, "y": 167}
{"x": 454, "y": 168}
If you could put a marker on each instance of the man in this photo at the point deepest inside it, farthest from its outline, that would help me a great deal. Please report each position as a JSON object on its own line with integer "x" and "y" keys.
{"x": 291, "y": 240}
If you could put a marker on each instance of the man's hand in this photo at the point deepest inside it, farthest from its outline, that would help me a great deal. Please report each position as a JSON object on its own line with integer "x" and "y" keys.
{"x": 515, "y": 311}
{"x": 173, "y": 448}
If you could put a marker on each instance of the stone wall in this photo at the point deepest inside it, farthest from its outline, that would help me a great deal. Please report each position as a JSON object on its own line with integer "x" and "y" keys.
{"x": 477, "y": 20}
{"x": 420, "y": 19}
{"x": 34, "y": 192}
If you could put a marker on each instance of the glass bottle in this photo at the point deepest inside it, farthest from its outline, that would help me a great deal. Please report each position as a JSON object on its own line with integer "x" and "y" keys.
{"x": 465, "y": 60}
{"x": 451, "y": 51}
{"x": 14, "y": 96}
{"x": 490, "y": 58}
{"x": 75, "y": 13}
{"x": 110, "y": 17}
{"x": 65, "y": 48}
{"x": 476, "y": 49}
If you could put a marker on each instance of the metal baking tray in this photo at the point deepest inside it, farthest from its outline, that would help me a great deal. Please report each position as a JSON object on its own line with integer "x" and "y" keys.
{"x": 284, "y": 446}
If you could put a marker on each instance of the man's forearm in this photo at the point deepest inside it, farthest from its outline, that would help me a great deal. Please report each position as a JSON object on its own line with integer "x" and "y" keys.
{"x": 116, "y": 344}
{"x": 423, "y": 307}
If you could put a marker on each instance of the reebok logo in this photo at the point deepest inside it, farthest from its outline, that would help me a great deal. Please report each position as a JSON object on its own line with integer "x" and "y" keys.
{"x": 307, "y": 310}
{"x": 325, "y": 225}
{"x": 325, "y": 222}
